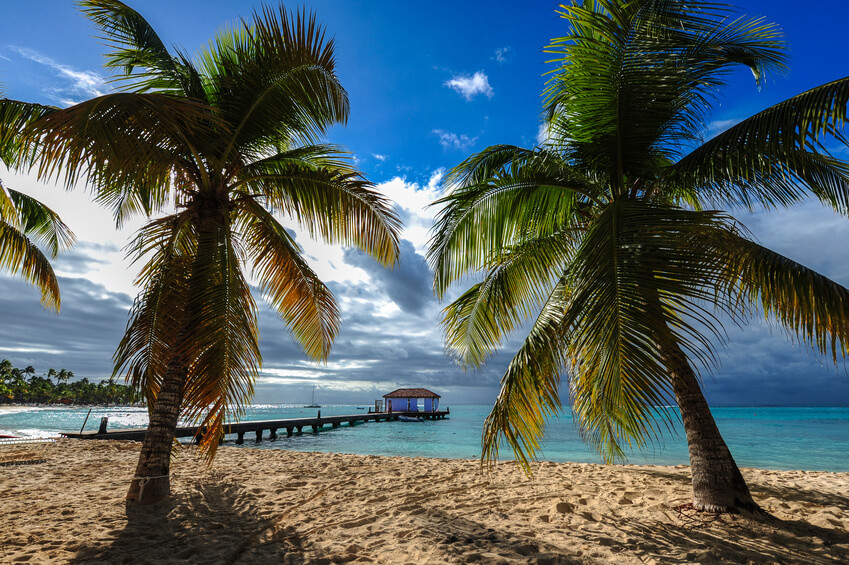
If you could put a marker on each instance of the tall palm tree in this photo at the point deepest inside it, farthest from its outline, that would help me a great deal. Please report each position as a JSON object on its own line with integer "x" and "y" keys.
{"x": 607, "y": 235}
{"x": 28, "y": 228}
{"x": 227, "y": 138}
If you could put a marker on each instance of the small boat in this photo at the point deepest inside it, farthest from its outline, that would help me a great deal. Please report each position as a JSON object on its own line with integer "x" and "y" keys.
{"x": 408, "y": 419}
{"x": 312, "y": 403}
{"x": 361, "y": 407}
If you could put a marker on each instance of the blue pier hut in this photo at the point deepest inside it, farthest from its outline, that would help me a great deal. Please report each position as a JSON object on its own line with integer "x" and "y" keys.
{"x": 411, "y": 400}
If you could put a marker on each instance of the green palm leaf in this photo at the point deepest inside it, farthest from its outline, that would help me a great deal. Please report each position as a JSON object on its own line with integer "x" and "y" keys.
{"x": 336, "y": 205}
{"x": 500, "y": 198}
{"x": 293, "y": 289}
{"x": 138, "y": 51}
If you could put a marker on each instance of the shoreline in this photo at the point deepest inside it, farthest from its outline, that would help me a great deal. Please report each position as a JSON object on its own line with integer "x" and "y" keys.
{"x": 812, "y": 439}
{"x": 272, "y": 506}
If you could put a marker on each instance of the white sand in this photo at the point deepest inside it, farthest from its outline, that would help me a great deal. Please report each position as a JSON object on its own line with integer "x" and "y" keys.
{"x": 286, "y": 507}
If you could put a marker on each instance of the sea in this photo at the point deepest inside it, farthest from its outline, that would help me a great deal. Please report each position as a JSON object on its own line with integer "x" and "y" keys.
{"x": 765, "y": 437}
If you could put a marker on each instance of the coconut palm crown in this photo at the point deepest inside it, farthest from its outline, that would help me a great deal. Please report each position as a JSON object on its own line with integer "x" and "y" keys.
{"x": 605, "y": 243}
{"x": 216, "y": 147}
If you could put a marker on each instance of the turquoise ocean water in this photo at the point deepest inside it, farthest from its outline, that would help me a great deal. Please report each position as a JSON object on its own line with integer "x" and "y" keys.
{"x": 810, "y": 438}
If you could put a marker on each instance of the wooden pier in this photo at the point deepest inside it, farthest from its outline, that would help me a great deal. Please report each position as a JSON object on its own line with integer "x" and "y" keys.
{"x": 291, "y": 426}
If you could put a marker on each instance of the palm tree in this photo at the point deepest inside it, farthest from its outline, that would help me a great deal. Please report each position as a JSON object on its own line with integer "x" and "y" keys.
{"x": 607, "y": 235}
{"x": 228, "y": 138}
{"x": 28, "y": 228}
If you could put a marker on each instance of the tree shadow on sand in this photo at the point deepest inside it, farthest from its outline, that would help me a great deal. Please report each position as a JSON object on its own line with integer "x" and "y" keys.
{"x": 467, "y": 541}
{"x": 209, "y": 522}
{"x": 762, "y": 491}
{"x": 741, "y": 539}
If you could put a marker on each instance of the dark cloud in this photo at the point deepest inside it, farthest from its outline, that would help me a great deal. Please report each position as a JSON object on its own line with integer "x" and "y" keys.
{"x": 81, "y": 338}
{"x": 409, "y": 284}
{"x": 763, "y": 365}
{"x": 83, "y": 257}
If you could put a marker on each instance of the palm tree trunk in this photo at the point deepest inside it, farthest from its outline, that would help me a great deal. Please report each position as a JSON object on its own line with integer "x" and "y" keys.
{"x": 152, "y": 482}
{"x": 718, "y": 485}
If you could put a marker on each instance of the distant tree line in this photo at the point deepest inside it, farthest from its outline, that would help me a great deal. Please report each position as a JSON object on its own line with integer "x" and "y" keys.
{"x": 55, "y": 387}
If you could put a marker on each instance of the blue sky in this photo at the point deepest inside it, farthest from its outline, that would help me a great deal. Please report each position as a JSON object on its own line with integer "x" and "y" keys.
{"x": 429, "y": 83}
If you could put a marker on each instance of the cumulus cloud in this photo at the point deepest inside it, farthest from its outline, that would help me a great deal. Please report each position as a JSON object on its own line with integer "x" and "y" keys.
{"x": 76, "y": 85}
{"x": 470, "y": 86}
{"x": 379, "y": 157}
{"x": 408, "y": 285}
{"x": 450, "y": 140}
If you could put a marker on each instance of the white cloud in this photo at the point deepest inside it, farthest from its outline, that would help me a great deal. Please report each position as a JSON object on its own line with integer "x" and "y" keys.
{"x": 543, "y": 133}
{"x": 78, "y": 84}
{"x": 413, "y": 201}
{"x": 718, "y": 126}
{"x": 471, "y": 86}
{"x": 502, "y": 54}
{"x": 450, "y": 140}
{"x": 379, "y": 157}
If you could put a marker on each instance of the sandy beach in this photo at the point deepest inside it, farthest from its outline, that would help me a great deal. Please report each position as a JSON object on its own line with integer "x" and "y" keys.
{"x": 285, "y": 507}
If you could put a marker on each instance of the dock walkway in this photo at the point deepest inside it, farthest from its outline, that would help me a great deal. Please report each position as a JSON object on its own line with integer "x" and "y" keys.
{"x": 258, "y": 427}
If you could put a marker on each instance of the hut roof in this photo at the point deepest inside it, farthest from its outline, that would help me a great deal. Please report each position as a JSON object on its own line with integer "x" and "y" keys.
{"x": 411, "y": 393}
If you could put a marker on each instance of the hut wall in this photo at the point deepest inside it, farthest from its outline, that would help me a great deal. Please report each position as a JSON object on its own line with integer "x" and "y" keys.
{"x": 412, "y": 405}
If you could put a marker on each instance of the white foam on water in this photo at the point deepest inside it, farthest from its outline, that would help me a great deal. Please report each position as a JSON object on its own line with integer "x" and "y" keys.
{"x": 20, "y": 409}
{"x": 33, "y": 433}
{"x": 128, "y": 419}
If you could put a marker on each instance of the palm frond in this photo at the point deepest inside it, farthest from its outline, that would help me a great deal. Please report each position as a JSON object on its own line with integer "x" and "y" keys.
{"x": 155, "y": 329}
{"x": 809, "y": 305}
{"x": 41, "y": 224}
{"x": 513, "y": 290}
{"x": 340, "y": 207}
{"x": 293, "y": 289}
{"x": 530, "y": 388}
{"x": 138, "y": 52}
{"x": 274, "y": 81}
{"x": 128, "y": 146}
{"x": 223, "y": 337}
{"x": 19, "y": 255}
{"x": 15, "y": 116}
{"x": 635, "y": 79}
{"x": 643, "y": 273}
{"x": 779, "y": 145}
{"x": 499, "y": 198}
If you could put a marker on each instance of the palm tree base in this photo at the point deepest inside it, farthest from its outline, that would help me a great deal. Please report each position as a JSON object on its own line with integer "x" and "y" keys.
{"x": 739, "y": 506}
{"x": 145, "y": 491}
